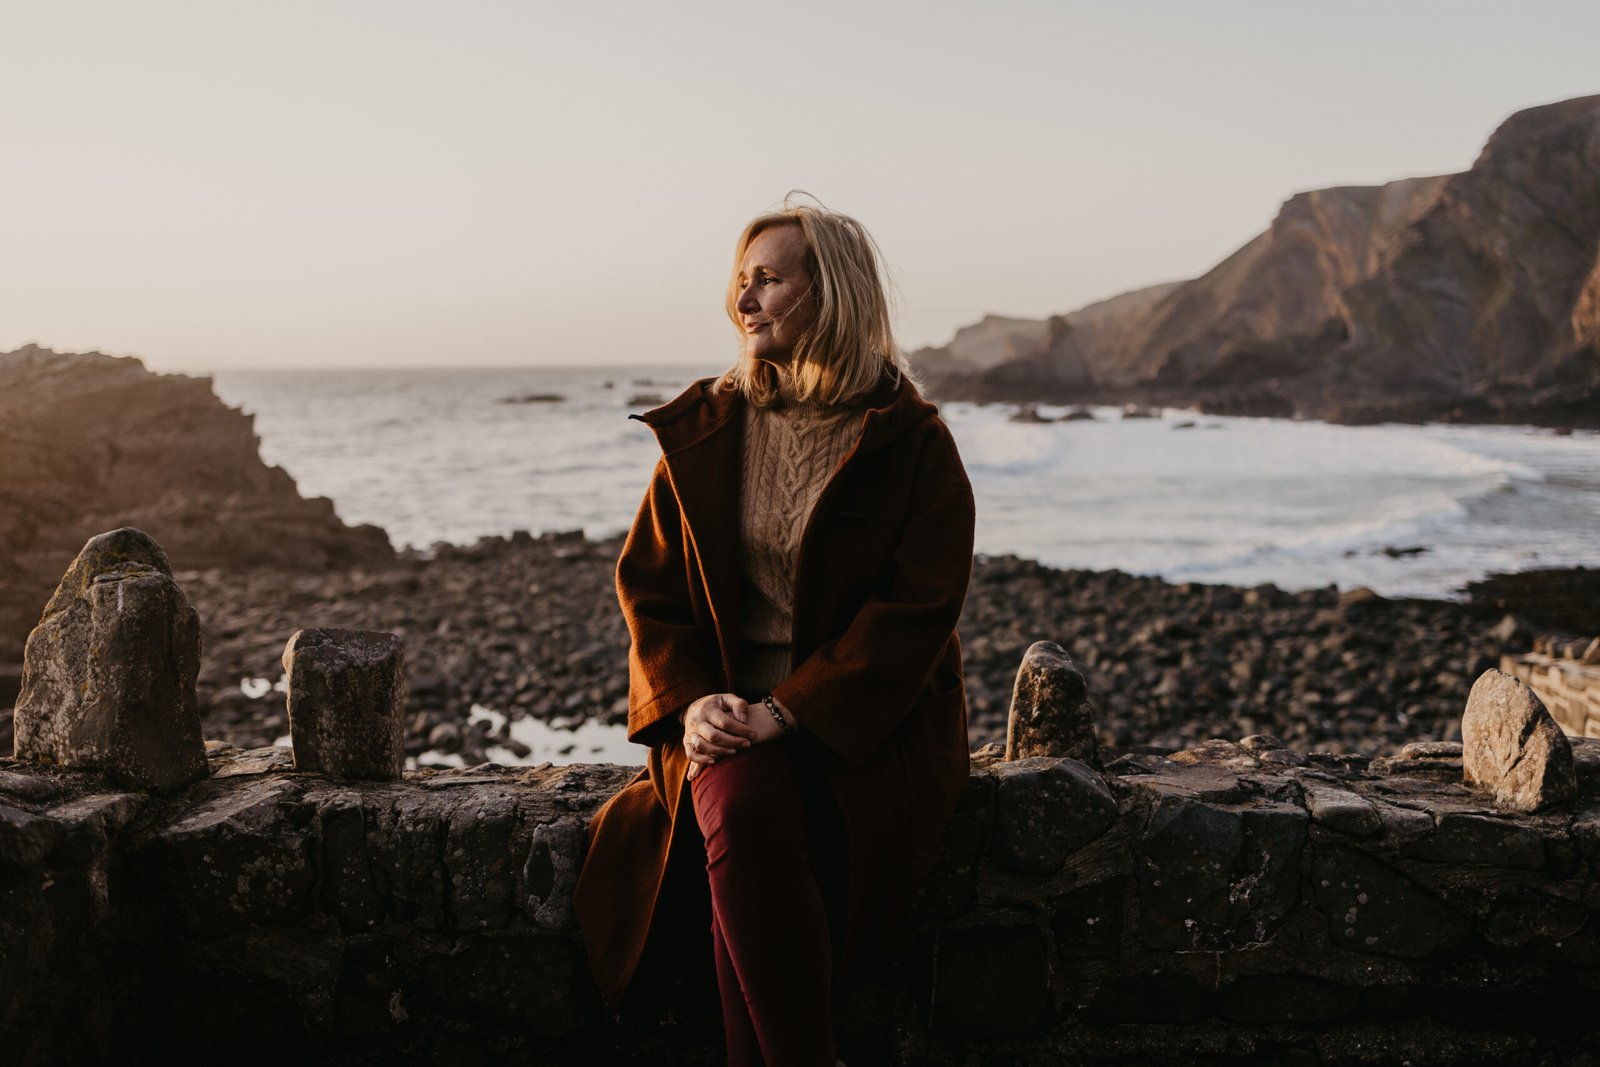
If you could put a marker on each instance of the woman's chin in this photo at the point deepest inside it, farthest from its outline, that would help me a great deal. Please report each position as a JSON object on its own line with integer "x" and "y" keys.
{"x": 777, "y": 359}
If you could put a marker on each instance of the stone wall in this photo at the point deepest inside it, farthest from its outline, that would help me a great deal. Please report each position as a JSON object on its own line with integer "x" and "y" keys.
{"x": 1235, "y": 903}
{"x": 1569, "y": 686}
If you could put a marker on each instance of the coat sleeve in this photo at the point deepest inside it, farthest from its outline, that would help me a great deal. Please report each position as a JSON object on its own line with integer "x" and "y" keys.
{"x": 855, "y": 689}
{"x": 667, "y": 669}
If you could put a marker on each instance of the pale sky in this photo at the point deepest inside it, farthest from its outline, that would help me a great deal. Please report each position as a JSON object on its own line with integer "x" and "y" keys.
{"x": 489, "y": 182}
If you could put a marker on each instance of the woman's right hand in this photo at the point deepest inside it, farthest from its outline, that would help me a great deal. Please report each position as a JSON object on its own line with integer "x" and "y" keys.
{"x": 714, "y": 726}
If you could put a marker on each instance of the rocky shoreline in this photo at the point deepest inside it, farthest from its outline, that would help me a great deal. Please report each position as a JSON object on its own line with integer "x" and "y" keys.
{"x": 529, "y": 627}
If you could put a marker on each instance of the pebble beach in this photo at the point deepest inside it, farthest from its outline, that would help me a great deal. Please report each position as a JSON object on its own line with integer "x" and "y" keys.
{"x": 527, "y": 628}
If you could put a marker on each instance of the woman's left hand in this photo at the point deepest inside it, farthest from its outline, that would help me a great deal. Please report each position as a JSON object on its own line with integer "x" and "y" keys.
{"x": 755, "y": 723}
{"x": 716, "y": 725}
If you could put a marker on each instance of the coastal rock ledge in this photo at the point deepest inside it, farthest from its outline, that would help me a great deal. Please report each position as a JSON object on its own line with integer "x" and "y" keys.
{"x": 1231, "y": 903}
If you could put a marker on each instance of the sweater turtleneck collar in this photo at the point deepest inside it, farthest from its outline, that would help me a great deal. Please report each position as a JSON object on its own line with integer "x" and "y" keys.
{"x": 788, "y": 406}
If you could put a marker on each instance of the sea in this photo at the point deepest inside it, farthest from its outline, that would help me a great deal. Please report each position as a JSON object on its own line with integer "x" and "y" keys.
{"x": 451, "y": 455}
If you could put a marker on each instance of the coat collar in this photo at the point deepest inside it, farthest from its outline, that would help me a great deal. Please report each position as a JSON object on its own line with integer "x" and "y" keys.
{"x": 893, "y": 407}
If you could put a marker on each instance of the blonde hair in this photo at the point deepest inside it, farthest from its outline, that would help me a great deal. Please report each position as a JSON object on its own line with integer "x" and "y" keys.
{"x": 849, "y": 346}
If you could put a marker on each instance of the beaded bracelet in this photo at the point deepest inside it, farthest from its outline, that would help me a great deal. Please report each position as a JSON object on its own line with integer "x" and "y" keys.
{"x": 772, "y": 706}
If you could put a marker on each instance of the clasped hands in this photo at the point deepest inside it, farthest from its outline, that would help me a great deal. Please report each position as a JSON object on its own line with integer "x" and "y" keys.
{"x": 720, "y": 724}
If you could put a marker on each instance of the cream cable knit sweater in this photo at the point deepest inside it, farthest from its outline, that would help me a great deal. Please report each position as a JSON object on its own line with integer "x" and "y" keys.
{"x": 790, "y": 452}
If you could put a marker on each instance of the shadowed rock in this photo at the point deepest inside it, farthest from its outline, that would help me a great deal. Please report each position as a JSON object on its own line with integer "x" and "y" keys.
{"x": 555, "y": 856}
{"x": 1051, "y": 714}
{"x": 92, "y": 442}
{"x": 1341, "y": 809}
{"x": 108, "y": 675}
{"x": 347, "y": 693}
{"x": 1047, "y": 809}
{"x": 1512, "y": 748}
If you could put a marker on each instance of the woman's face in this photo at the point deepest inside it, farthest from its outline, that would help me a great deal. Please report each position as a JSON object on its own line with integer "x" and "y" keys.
{"x": 774, "y": 300}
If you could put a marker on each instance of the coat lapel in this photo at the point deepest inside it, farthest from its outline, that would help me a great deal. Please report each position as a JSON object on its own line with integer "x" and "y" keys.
{"x": 702, "y": 440}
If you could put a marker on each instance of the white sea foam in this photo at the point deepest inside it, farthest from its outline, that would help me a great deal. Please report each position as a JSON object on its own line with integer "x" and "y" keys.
{"x": 435, "y": 456}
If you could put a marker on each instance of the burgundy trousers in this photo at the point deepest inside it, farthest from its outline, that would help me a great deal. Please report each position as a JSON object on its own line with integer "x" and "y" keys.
{"x": 774, "y": 860}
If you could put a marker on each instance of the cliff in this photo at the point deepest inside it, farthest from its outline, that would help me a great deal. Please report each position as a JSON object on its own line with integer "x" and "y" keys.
{"x": 90, "y": 442}
{"x": 1472, "y": 295}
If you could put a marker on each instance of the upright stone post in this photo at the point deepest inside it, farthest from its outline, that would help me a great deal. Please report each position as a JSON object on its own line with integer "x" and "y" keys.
{"x": 108, "y": 674}
{"x": 1512, "y": 748}
{"x": 347, "y": 697}
{"x": 1051, "y": 714}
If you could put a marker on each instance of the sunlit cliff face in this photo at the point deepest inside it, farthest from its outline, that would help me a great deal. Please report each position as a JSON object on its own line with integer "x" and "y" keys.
{"x": 775, "y": 301}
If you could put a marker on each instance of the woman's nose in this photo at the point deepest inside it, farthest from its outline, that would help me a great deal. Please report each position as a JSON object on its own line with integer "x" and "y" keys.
{"x": 747, "y": 299}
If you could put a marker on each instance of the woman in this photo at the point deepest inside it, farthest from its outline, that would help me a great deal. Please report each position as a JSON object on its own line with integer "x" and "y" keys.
{"x": 791, "y": 586}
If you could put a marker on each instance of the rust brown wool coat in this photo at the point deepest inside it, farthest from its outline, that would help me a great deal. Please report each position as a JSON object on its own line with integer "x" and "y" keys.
{"x": 883, "y": 567}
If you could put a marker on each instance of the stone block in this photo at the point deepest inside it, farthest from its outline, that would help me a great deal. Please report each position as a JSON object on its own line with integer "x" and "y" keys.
{"x": 1444, "y": 750}
{"x": 1045, "y": 810}
{"x": 1463, "y": 839}
{"x": 25, "y": 838}
{"x": 369, "y": 996}
{"x": 348, "y": 891}
{"x": 1342, "y": 809}
{"x": 1401, "y": 824}
{"x": 480, "y": 861}
{"x": 347, "y": 694}
{"x": 109, "y": 673}
{"x": 1512, "y": 748}
{"x": 991, "y": 981}
{"x": 88, "y": 824}
{"x": 527, "y": 981}
{"x": 1159, "y": 997}
{"x": 550, "y": 874}
{"x": 1373, "y": 908}
{"x": 1286, "y": 998}
{"x": 239, "y": 859}
{"x": 1088, "y": 921}
{"x": 408, "y": 848}
{"x": 1530, "y": 918}
{"x": 28, "y": 786}
{"x": 1051, "y": 714}
{"x": 1216, "y": 877}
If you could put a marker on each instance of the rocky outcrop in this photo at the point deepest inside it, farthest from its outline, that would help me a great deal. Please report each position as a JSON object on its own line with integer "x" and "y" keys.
{"x": 1239, "y": 902}
{"x": 1003, "y": 358}
{"x": 1472, "y": 295}
{"x": 90, "y": 442}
